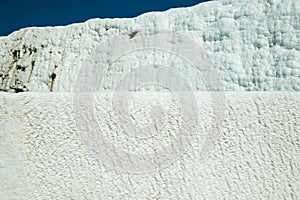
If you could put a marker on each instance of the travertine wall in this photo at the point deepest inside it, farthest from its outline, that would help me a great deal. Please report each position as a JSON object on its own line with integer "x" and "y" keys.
{"x": 244, "y": 146}
{"x": 256, "y": 155}
{"x": 253, "y": 44}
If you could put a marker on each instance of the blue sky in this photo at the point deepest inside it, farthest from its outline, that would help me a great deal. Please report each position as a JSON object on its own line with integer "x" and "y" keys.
{"x": 16, "y": 14}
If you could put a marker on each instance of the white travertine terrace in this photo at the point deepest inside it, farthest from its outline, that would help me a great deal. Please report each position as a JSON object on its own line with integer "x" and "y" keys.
{"x": 253, "y": 45}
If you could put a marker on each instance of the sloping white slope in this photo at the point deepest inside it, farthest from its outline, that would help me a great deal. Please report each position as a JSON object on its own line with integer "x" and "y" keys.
{"x": 256, "y": 155}
{"x": 253, "y": 44}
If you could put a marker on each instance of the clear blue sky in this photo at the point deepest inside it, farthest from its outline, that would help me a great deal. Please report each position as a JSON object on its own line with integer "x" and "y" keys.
{"x": 16, "y": 14}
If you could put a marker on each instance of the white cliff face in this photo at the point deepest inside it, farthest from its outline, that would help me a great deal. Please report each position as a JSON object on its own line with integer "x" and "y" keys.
{"x": 230, "y": 145}
{"x": 254, "y": 46}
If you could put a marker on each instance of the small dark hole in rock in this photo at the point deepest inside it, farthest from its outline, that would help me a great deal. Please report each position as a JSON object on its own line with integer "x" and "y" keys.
{"x": 131, "y": 35}
{"x": 19, "y": 90}
{"x": 53, "y": 76}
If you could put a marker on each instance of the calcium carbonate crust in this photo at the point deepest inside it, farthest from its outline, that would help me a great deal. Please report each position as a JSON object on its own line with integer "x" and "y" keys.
{"x": 254, "y": 46}
{"x": 256, "y": 155}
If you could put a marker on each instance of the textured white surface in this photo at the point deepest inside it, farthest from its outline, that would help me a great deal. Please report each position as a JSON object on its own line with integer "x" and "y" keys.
{"x": 256, "y": 155}
{"x": 254, "y": 45}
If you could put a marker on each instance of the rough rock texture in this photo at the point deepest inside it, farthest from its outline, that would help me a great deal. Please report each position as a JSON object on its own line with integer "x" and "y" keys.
{"x": 254, "y": 45}
{"x": 256, "y": 155}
